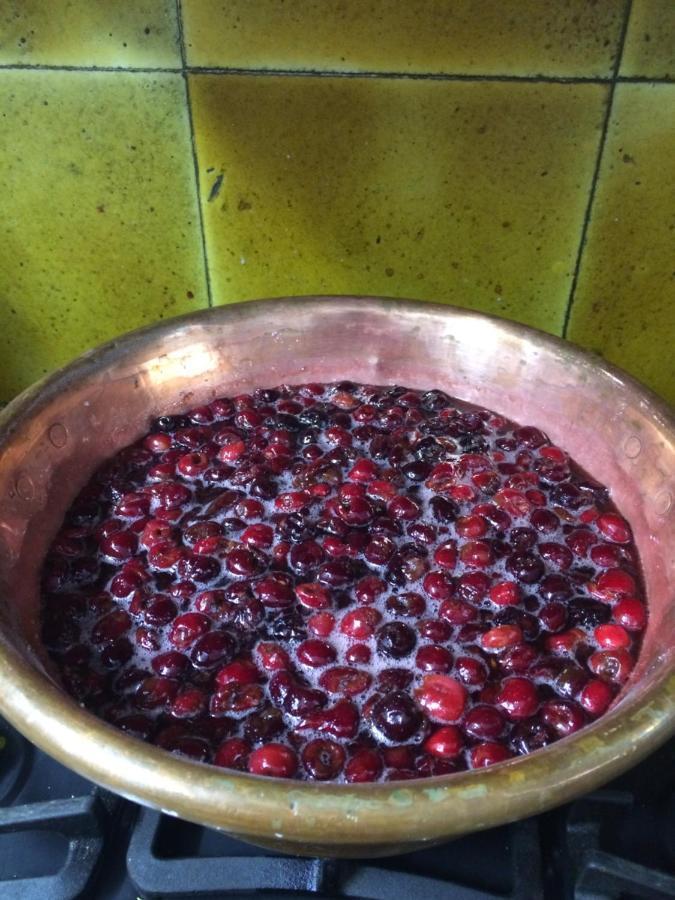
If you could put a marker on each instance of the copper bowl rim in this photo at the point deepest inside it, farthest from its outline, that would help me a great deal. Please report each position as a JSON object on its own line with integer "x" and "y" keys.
{"x": 345, "y": 817}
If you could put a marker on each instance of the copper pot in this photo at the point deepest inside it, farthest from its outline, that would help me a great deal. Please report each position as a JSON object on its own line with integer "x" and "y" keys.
{"x": 56, "y": 433}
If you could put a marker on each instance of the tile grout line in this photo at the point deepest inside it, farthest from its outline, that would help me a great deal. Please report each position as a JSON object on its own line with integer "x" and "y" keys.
{"x": 333, "y": 73}
{"x": 45, "y": 67}
{"x": 596, "y": 170}
{"x": 193, "y": 143}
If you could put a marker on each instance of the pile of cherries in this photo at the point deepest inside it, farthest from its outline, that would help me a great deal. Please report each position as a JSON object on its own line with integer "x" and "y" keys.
{"x": 344, "y": 582}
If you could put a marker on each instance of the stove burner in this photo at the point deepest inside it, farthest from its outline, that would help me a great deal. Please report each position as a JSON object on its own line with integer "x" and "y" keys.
{"x": 61, "y": 838}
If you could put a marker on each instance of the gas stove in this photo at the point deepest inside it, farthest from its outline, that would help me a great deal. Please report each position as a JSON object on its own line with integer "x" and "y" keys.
{"x": 62, "y": 838}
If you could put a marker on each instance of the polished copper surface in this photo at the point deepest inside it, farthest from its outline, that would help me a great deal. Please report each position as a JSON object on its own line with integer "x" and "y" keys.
{"x": 55, "y": 434}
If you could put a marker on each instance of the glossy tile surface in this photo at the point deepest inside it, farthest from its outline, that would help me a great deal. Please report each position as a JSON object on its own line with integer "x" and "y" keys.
{"x": 141, "y": 33}
{"x": 100, "y": 225}
{"x": 471, "y": 194}
{"x": 625, "y": 302}
{"x": 650, "y": 42}
{"x": 515, "y": 37}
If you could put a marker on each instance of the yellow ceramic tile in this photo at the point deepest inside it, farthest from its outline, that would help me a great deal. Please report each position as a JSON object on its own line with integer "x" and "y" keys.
{"x": 100, "y": 227}
{"x": 521, "y": 37}
{"x": 89, "y": 33}
{"x": 650, "y": 41}
{"x": 470, "y": 193}
{"x": 625, "y": 301}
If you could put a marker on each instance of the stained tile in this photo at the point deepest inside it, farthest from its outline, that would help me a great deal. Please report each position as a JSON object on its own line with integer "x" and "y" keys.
{"x": 100, "y": 225}
{"x": 141, "y": 33}
{"x": 650, "y": 40}
{"x": 469, "y": 193}
{"x": 626, "y": 294}
{"x": 528, "y": 37}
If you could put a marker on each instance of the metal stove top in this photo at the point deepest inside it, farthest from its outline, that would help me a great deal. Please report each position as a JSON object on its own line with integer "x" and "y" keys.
{"x": 62, "y": 838}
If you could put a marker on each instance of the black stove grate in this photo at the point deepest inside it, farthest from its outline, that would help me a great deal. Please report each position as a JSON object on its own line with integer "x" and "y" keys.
{"x": 61, "y": 838}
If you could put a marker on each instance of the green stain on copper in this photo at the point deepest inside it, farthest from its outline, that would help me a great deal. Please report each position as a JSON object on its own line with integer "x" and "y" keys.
{"x": 401, "y": 797}
{"x": 474, "y": 790}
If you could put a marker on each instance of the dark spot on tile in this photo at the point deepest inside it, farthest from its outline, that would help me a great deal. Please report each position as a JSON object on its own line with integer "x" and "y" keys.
{"x": 146, "y": 30}
{"x": 101, "y": 208}
{"x": 189, "y": 295}
{"x": 498, "y": 289}
{"x": 378, "y": 239}
{"x": 244, "y": 204}
{"x": 627, "y": 158}
{"x": 210, "y": 169}
{"x": 389, "y": 271}
{"x": 506, "y": 224}
{"x": 215, "y": 188}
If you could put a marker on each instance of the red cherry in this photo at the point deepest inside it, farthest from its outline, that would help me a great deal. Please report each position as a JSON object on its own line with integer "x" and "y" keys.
{"x": 259, "y": 536}
{"x": 471, "y": 671}
{"x": 611, "y": 637}
{"x": 615, "y": 583}
{"x": 272, "y": 657}
{"x": 313, "y": 595}
{"x": 358, "y": 654}
{"x": 446, "y": 742}
{"x": 403, "y": 508}
{"x": 505, "y": 593}
{"x": 369, "y": 588}
{"x": 477, "y": 554}
{"x": 233, "y": 754}
{"x": 441, "y": 697}
{"x": 595, "y": 697}
{"x": 438, "y": 586}
{"x": 484, "y": 723}
{"x": 361, "y": 623}
{"x": 315, "y": 653}
{"x": 456, "y": 612}
{"x": 345, "y": 680}
{"x": 364, "y": 470}
{"x": 611, "y": 665}
{"x": 518, "y": 698}
{"x": 323, "y": 759}
{"x": 631, "y": 613}
{"x": 188, "y": 704}
{"x": 445, "y": 555}
{"x": 364, "y": 766}
{"x": 292, "y": 501}
{"x": 119, "y": 545}
{"x": 321, "y": 624}
{"x": 487, "y": 754}
{"x": 433, "y": 658}
{"x": 471, "y": 526}
{"x": 240, "y": 671}
{"x": 340, "y": 721}
{"x": 614, "y": 528}
{"x": 276, "y": 760}
{"x": 563, "y": 716}
{"x": 501, "y": 636}
{"x": 187, "y": 628}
